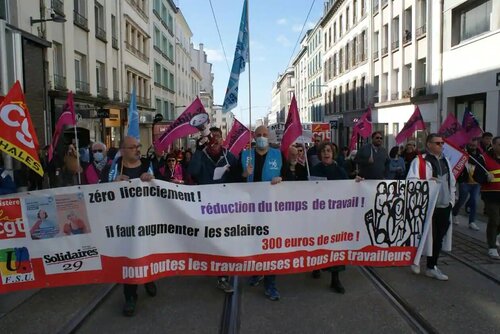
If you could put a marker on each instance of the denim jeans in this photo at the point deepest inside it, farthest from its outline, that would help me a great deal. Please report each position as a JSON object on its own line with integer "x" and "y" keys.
{"x": 464, "y": 190}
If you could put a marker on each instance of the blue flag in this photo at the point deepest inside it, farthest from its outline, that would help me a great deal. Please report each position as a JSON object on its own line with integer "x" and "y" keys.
{"x": 241, "y": 56}
{"x": 133, "y": 117}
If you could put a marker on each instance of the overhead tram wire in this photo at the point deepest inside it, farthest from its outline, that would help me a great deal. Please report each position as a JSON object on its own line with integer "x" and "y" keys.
{"x": 220, "y": 37}
{"x": 301, "y": 31}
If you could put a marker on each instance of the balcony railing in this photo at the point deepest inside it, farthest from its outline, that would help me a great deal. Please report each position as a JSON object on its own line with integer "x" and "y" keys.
{"x": 59, "y": 82}
{"x": 383, "y": 98}
{"x": 395, "y": 45}
{"x": 116, "y": 95}
{"x": 375, "y": 6}
{"x": 375, "y": 55}
{"x": 136, "y": 52}
{"x": 384, "y": 3}
{"x": 80, "y": 20}
{"x": 82, "y": 87}
{"x": 102, "y": 91}
{"x": 101, "y": 34}
{"x": 394, "y": 96}
{"x": 421, "y": 91}
{"x": 406, "y": 94}
{"x": 143, "y": 101}
{"x": 58, "y": 7}
{"x": 135, "y": 4}
{"x": 420, "y": 32}
{"x": 114, "y": 42}
{"x": 385, "y": 51}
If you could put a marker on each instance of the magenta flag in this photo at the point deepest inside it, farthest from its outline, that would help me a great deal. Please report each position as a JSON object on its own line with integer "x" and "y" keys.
{"x": 452, "y": 131}
{"x": 237, "y": 138}
{"x": 470, "y": 125}
{"x": 363, "y": 128}
{"x": 192, "y": 120}
{"x": 68, "y": 117}
{"x": 293, "y": 128}
{"x": 414, "y": 123}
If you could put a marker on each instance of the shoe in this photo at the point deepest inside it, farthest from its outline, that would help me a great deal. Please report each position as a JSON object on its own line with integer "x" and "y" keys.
{"x": 150, "y": 288}
{"x": 255, "y": 280}
{"x": 335, "y": 284}
{"x": 415, "y": 269}
{"x": 224, "y": 285}
{"x": 493, "y": 253}
{"x": 436, "y": 273}
{"x": 272, "y": 293}
{"x": 316, "y": 274}
{"x": 473, "y": 226}
{"x": 455, "y": 220}
{"x": 129, "y": 306}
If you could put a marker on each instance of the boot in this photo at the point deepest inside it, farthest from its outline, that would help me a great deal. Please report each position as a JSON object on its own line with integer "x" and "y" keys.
{"x": 336, "y": 285}
{"x": 316, "y": 274}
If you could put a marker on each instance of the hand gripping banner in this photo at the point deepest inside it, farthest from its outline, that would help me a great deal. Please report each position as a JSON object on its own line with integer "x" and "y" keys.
{"x": 135, "y": 232}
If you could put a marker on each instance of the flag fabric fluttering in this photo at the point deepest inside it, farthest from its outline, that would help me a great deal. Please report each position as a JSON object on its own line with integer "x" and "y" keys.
{"x": 237, "y": 138}
{"x": 67, "y": 118}
{"x": 293, "y": 127}
{"x": 457, "y": 157}
{"x": 452, "y": 131}
{"x": 414, "y": 123}
{"x": 17, "y": 134}
{"x": 470, "y": 125}
{"x": 241, "y": 57}
{"x": 363, "y": 127}
{"x": 133, "y": 117}
{"x": 192, "y": 120}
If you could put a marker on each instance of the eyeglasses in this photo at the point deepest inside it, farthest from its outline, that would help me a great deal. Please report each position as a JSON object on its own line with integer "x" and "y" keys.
{"x": 170, "y": 160}
{"x": 135, "y": 147}
{"x": 377, "y": 138}
{"x": 438, "y": 142}
{"x": 300, "y": 151}
{"x": 98, "y": 150}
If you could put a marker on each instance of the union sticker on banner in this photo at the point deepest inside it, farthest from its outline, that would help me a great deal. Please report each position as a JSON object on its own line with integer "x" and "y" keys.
{"x": 85, "y": 258}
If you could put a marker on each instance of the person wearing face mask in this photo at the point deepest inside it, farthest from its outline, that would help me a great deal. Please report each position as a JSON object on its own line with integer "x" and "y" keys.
{"x": 97, "y": 171}
{"x": 213, "y": 164}
{"x": 292, "y": 169}
{"x": 263, "y": 164}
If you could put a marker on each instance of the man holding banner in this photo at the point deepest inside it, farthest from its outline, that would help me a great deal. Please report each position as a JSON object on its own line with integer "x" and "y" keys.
{"x": 435, "y": 166}
{"x": 131, "y": 166}
{"x": 263, "y": 164}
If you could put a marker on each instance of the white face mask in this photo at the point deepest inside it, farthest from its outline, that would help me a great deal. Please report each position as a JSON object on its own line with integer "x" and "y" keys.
{"x": 261, "y": 142}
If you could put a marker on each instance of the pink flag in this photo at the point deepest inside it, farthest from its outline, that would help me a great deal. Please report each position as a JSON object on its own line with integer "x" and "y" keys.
{"x": 293, "y": 128}
{"x": 471, "y": 126}
{"x": 363, "y": 127}
{"x": 68, "y": 117}
{"x": 192, "y": 120}
{"x": 452, "y": 131}
{"x": 457, "y": 157}
{"x": 414, "y": 123}
{"x": 237, "y": 138}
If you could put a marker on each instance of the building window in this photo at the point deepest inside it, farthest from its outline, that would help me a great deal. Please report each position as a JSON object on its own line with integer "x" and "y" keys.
{"x": 385, "y": 39}
{"x": 114, "y": 33}
{"x": 158, "y": 104}
{"x": 3, "y": 9}
{"x": 362, "y": 93}
{"x": 476, "y": 104}
{"x": 157, "y": 74}
{"x": 341, "y": 27}
{"x": 407, "y": 26}
{"x": 421, "y": 77}
{"x": 172, "y": 87}
{"x": 407, "y": 74}
{"x": 165, "y": 111}
{"x": 354, "y": 11}
{"x": 395, "y": 33}
{"x": 421, "y": 18}
{"x": 59, "y": 78}
{"x": 100, "y": 75}
{"x": 166, "y": 78}
{"x": 375, "y": 45}
{"x": 347, "y": 19}
{"x": 80, "y": 14}
{"x": 100, "y": 32}
{"x": 157, "y": 38}
{"x": 116, "y": 91}
{"x": 471, "y": 20}
{"x": 81, "y": 83}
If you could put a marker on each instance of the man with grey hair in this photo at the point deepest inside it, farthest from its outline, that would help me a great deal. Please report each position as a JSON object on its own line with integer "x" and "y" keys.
{"x": 98, "y": 169}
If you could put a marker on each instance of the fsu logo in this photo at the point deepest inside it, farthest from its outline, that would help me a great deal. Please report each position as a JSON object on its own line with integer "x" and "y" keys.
{"x": 15, "y": 265}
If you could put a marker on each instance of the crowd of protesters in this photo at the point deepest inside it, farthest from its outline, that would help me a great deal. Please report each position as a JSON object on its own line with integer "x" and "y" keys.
{"x": 211, "y": 163}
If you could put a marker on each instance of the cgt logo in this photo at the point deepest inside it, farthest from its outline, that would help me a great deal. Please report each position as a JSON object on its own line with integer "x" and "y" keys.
{"x": 15, "y": 265}
{"x": 11, "y": 224}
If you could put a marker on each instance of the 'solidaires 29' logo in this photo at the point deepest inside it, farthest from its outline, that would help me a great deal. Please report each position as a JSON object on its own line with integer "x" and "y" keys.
{"x": 15, "y": 265}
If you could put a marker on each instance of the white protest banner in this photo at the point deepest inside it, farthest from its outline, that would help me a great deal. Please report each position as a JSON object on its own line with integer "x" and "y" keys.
{"x": 135, "y": 232}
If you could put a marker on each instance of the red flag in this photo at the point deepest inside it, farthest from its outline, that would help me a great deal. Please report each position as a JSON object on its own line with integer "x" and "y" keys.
{"x": 452, "y": 131}
{"x": 68, "y": 117}
{"x": 17, "y": 134}
{"x": 192, "y": 120}
{"x": 237, "y": 138}
{"x": 293, "y": 128}
{"x": 414, "y": 123}
{"x": 457, "y": 157}
{"x": 363, "y": 127}
{"x": 470, "y": 125}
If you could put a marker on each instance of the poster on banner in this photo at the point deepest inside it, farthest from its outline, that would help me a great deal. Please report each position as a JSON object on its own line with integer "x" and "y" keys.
{"x": 322, "y": 130}
{"x": 136, "y": 232}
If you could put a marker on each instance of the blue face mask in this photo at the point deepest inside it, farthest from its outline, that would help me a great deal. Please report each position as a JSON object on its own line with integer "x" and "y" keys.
{"x": 98, "y": 156}
{"x": 261, "y": 142}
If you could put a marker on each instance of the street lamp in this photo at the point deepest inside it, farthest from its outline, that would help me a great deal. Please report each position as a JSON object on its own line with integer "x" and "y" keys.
{"x": 53, "y": 17}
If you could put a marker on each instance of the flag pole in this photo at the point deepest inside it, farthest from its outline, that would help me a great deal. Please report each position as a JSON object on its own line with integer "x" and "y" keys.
{"x": 77, "y": 155}
{"x": 249, "y": 80}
